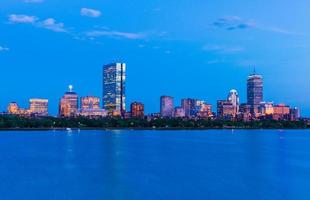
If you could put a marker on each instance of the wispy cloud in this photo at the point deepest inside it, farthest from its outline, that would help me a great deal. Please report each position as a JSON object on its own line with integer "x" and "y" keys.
{"x": 4, "y": 49}
{"x": 222, "y": 49}
{"x": 33, "y": 1}
{"x": 231, "y": 23}
{"x": 90, "y": 12}
{"x": 26, "y": 19}
{"x": 51, "y": 24}
{"x": 115, "y": 34}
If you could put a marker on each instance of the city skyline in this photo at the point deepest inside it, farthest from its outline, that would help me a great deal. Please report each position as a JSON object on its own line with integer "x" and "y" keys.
{"x": 201, "y": 53}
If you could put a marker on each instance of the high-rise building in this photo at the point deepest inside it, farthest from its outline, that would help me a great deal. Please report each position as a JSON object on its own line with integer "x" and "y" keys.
{"x": 294, "y": 114}
{"x": 68, "y": 106}
{"x": 203, "y": 110}
{"x": 114, "y": 99}
{"x": 38, "y": 107}
{"x": 137, "y": 110}
{"x": 245, "y": 112}
{"x": 166, "y": 106}
{"x": 13, "y": 108}
{"x": 190, "y": 107}
{"x": 233, "y": 97}
{"x": 254, "y": 92}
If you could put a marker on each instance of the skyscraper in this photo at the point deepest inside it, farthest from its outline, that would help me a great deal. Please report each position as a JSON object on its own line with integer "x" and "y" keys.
{"x": 68, "y": 106}
{"x": 233, "y": 97}
{"x": 166, "y": 106}
{"x": 189, "y": 106}
{"x": 254, "y": 92}
{"x": 114, "y": 100}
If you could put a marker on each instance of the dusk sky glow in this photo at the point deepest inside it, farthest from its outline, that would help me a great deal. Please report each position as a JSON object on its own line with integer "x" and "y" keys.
{"x": 182, "y": 48}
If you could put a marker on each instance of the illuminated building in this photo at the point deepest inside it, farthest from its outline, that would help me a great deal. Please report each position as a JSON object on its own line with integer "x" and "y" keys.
{"x": 114, "y": 100}
{"x": 281, "y": 112}
{"x": 90, "y": 102}
{"x": 233, "y": 97}
{"x": 266, "y": 108}
{"x": 225, "y": 110}
{"x": 179, "y": 112}
{"x": 245, "y": 112}
{"x": 166, "y": 106}
{"x": 294, "y": 114}
{"x": 137, "y": 110}
{"x": 203, "y": 110}
{"x": 68, "y": 106}
{"x": 13, "y": 108}
{"x": 254, "y": 92}
{"x": 189, "y": 106}
{"x": 90, "y": 107}
{"x": 38, "y": 107}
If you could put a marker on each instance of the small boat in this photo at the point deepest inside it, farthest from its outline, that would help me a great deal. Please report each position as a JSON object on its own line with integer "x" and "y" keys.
{"x": 69, "y": 130}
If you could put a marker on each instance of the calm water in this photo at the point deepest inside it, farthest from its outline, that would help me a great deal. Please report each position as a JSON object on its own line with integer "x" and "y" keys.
{"x": 249, "y": 165}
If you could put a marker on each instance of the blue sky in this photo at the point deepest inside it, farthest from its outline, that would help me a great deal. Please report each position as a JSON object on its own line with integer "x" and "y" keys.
{"x": 183, "y": 48}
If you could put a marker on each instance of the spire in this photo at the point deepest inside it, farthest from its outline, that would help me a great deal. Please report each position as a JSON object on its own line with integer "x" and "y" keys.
{"x": 254, "y": 71}
{"x": 70, "y": 88}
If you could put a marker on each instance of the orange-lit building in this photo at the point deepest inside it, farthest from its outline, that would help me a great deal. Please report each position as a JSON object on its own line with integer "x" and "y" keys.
{"x": 266, "y": 108}
{"x": 68, "y": 106}
{"x": 13, "y": 108}
{"x": 137, "y": 110}
{"x": 38, "y": 107}
{"x": 90, "y": 102}
{"x": 281, "y": 112}
{"x": 204, "y": 110}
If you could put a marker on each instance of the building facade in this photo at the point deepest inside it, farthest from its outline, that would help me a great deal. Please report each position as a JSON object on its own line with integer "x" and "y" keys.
{"x": 90, "y": 107}
{"x": 38, "y": 107}
{"x": 190, "y": 107}
{"x": 68, "y": 105}
{"x": 166, "y": 106}
{"x": 179, "y": 112}
{"x": 254, "y": 92}
{"x": 114, "y": 99}
{"x": 137, "y": 110}
{"x": 233, "y": 97}
{"x": 225, "y": 110}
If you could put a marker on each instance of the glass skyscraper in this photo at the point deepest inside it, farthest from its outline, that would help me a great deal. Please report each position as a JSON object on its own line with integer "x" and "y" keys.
{"x": 254, "y": 92}
{"x": 114, "y": 99}
{"x": 166, "y": 106}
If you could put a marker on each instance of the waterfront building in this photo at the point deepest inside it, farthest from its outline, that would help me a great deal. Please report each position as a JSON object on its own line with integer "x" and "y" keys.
{"x": 295, "y": 114}
{"x": 203, "y": 109}
{"x": 38, "y": 107}
{"x": 137, "y": 110}
{"x": 190, "y": 107}
{"x": 166, "y": 106}
{"x": 225, "y": 110}
{"x": 68, "y": 105}
{"x": 254, "y": 92}
{"x": 233, "y": 97}
{"x": 90, "y": 102}
{"x": 281, "y": 112}
{"x": 13, "y": 108}
{"x": 90, "y": 107}
{"x": 114, "y": 99}
{"x": 245, "y": 112}
{"x": 179, "y": 112}
{"x": 266, "y": 108}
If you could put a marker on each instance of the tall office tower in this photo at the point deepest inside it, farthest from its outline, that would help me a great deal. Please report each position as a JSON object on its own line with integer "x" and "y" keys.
{"x": 166, "y": 106}
{"x": 295, "y": 114}
{"x": 189, "y": 106}
{"x": 254, "y": 92}
{"x": 114, "y": 100}
{"x": 137, "y": 110}
{"x": 90, "y": 102}
{"x": 68, "y": 106}
{"x": 39, "y": 107}
{"x": 233, "y": 97}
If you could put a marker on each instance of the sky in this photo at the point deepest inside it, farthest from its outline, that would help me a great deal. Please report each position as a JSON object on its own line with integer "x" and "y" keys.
{"x": 182, "y": 48}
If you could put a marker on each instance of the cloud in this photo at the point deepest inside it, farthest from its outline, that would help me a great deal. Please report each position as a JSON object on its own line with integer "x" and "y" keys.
{"x": 4, "y": 49}
{"x": 222, "y": 49}
{"x": 115, "y": 34}
{"x": 90, "y": 12}
{"x": 33, "y": 1}
{"x": 231, "y": 23}
{"x": 26, "y": 19}
{"x": 51, "y": 24}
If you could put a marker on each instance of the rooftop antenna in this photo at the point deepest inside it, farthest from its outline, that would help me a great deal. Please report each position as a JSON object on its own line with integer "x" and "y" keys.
{"x": 70, "y": 88}
{"x": 254, "y": 71}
